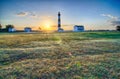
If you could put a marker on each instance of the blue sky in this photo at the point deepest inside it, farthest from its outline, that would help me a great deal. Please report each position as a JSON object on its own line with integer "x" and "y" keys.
{"x": 93, "y": 14}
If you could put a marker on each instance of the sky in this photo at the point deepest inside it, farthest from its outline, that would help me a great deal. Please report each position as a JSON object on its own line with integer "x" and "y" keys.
{"x": 93, "y": 14}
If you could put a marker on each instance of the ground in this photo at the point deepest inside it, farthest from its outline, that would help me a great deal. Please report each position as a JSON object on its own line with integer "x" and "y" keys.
{"x": 73, "y": 55}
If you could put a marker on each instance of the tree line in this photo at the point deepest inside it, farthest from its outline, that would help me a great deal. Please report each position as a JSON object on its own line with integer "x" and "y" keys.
{"x": 6, "y": 29}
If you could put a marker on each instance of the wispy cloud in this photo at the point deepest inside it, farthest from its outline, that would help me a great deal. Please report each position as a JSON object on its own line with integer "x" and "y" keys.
{"x": 28, "y": 14}
{"x": 46, "y": 17}
{"x": 67, "y": 25}
{"x": 33, "y": 15}
{"x": 22, "y": 14}
{"x": 110, "y": 16}
{"x": 115, "y": 23}
{"x": 113, "y": 20}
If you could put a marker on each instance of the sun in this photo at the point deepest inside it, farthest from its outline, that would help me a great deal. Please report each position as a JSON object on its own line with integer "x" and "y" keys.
{"x": 47, "y": 26}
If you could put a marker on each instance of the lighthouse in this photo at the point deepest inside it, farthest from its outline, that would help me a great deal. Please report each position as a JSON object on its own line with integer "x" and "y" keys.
{"x": 59, "y": 23}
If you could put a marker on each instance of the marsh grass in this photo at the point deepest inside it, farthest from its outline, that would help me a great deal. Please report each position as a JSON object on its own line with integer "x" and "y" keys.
{"x": 81, "y": 55}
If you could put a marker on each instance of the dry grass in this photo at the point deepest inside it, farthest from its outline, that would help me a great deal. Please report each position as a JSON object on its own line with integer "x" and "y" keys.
{"x": 86, "y": 55}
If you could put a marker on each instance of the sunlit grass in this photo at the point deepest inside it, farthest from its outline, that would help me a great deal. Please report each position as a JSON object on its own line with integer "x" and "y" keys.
{"x": 86, "y": 55}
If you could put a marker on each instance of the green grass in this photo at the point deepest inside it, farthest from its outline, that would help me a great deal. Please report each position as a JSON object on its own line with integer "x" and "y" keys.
{"x": 73, "y": 55}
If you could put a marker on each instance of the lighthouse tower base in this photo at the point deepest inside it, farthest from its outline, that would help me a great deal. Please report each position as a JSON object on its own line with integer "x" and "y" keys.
{"x": 60, "y": 30}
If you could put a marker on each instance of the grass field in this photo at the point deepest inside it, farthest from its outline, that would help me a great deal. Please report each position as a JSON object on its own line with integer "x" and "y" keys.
{"x": 80, "y": 55}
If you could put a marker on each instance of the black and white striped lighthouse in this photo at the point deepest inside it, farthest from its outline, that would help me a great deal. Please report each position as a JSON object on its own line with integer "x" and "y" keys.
{"x": 59, "y": 21}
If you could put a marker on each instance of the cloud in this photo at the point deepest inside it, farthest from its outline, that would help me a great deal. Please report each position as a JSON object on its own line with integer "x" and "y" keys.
{"x": 28, "y": 14}
{"x": 33, "y": 15}
{"x": 22, "y": 14}
{"x": 46, "y": 17}
{"x": 109, "y": 16}
{"x": 68, "y": 25}
{"x": 115, "y": 23}
{"x": 113, "y": 20}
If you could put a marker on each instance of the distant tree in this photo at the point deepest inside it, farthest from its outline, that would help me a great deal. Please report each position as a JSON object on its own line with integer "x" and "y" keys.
{"x": 9, "y": 26}
{"x": 39, "y": 28}
{"x": 118, "y": 28}
{"x": 0, "y": 26}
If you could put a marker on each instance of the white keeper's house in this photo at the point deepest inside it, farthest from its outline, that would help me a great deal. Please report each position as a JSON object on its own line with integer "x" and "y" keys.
{"x": 78, "y": 28}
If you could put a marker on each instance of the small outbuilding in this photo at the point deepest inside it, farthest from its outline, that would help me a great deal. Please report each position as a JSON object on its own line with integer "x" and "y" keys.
{"x": 27, "y": 29}
{"x": 11, "y": 29}
{"x": 78, "y": 28}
